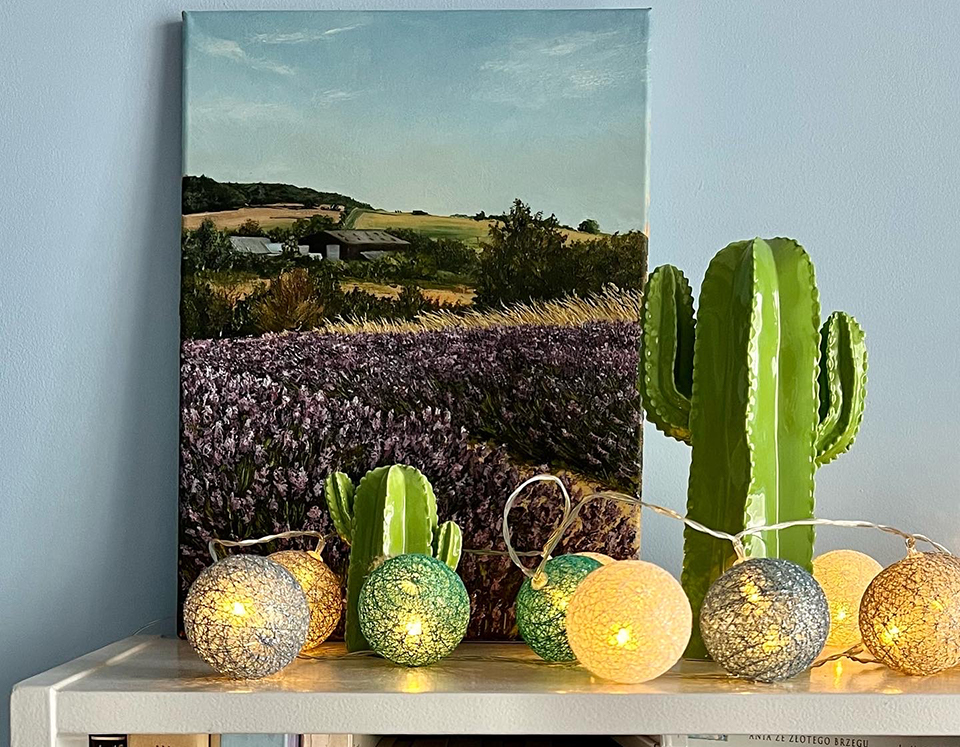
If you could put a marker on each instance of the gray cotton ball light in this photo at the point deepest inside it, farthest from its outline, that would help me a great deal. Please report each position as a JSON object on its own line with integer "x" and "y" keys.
{"x": 246, "y": 616}
{"x": 765, "y": 619}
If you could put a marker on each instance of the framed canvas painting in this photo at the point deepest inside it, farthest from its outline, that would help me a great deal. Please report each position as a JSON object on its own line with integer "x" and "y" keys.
{"x": 413, "y": 237}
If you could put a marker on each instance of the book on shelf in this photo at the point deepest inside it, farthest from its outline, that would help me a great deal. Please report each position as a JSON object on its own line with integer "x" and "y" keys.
{"x": 802, "y": 740}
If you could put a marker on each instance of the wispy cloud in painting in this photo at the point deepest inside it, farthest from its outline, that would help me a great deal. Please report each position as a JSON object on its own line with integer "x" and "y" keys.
{"x": 241, "y": 111}
{"x": 231, "y": 50}
{"x": 302, "y": 37}
{"x": 333, "y": 96}
{"x": 531, "y": 73}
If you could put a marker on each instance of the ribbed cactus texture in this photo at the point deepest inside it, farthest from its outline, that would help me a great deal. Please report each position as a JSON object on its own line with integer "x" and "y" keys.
{"x": 758, "y": 389}
{"x": 392, "y": 511}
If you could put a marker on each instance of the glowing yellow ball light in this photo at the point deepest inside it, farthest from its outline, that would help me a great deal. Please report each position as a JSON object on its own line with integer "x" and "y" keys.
{"x": 910, "y": 614}
{"x": 629, "y": 621}
{"x": 322, "y": 589}
{"x": 844, "y": 575}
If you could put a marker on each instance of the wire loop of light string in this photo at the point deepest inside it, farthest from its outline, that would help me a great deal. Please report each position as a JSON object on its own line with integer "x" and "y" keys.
{"x": 571, "y": 511}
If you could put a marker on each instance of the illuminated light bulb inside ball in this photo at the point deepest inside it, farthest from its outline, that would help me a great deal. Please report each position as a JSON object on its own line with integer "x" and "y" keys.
{"x": 844, "y": 576}
{"x": 322, "y": 589}
{"x": 910, "y": 614}
{"x": 246, "y": 616}
{"x": 542, "y": 604}
{"x": 629, "y": 621}
{"x": 413, "y": 609}
{"x": 765, "y": 619}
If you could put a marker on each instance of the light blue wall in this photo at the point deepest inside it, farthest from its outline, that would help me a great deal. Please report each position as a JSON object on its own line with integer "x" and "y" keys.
{"x": 831, "y": 123}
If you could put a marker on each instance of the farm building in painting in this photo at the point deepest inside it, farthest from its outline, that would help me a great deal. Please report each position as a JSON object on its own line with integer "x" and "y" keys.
{"x": 260, "y": 245}
{"x": 353, "y": 244}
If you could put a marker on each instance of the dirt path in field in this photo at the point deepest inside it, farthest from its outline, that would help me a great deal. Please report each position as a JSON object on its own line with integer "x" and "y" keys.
{"x": 460, "y": 295}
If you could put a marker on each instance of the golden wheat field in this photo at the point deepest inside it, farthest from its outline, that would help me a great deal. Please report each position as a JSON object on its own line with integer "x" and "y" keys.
{"x": 440, "y": 226}
{"x": 268, "y": 216}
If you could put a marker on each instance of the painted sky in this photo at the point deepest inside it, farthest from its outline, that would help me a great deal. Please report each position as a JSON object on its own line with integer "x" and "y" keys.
{"x": 448, "y": 112}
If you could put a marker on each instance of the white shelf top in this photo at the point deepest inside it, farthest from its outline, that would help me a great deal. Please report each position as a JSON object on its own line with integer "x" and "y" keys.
{"x": 154, "y": 685}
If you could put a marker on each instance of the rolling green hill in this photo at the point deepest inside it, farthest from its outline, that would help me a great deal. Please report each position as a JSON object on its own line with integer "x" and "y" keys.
{"x": 201, "y": 194}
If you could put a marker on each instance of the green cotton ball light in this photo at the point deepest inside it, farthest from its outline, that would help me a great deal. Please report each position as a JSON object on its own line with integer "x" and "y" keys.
{"x": 542, "y": 612}
{"x": 413, "y": 610}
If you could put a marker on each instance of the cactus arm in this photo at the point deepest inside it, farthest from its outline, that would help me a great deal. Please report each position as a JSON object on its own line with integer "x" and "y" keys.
{"x": 666, "y": 355}
{"x": 846, "y": 386}
{"x": 448, "y": 544}
{"x": 339, "y": 491}
{"x": 753, "y": 408}
{"x": 828, "y": 381}
{"x": 395, "y": 512}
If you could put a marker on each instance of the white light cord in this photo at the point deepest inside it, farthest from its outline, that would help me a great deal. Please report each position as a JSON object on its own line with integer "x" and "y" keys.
{"x": 570, "y": 513}
{"x": 212, "y": 544}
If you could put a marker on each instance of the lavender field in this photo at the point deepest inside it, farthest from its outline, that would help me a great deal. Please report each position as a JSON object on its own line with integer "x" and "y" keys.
{"x": 476, "y": 407}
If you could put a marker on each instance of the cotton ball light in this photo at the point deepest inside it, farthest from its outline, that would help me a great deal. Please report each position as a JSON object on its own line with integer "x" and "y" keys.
{"x": 765, "y": 619}
{"x": 542, "y": 605}
{"x": 598, "y": 556}
{"x": 910, "y": 614}
{"x": 844, "y": 575}
{"x": 629, "y": 621}
{"x": 322, "y": 589}
{"x": 246, "y": 616}
{"x": 413, "y": 609}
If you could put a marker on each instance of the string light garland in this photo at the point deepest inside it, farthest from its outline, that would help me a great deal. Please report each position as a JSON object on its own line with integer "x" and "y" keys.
{"x": 807, "y": 611}
{"x": 909, "y": 617}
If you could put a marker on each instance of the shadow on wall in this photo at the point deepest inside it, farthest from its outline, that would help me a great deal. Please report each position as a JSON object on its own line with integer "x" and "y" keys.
{"x": 126, "y": 492}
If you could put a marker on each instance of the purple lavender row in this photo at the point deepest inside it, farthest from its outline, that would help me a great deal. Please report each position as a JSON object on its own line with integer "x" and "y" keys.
{"x": 255, "y": 450}
{"x": 558, "y": 394}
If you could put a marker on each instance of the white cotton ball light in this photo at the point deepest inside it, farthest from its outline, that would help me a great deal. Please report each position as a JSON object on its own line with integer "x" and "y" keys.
{"x": 629, "y": 621}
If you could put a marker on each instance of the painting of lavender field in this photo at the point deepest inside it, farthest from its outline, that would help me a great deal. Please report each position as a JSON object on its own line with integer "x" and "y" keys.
{"x": 412, "y": 237}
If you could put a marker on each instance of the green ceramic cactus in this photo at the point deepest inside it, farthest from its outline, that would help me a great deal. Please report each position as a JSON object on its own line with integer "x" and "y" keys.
{"x": 761, "y": 393}
{"x": 393, "y": 511}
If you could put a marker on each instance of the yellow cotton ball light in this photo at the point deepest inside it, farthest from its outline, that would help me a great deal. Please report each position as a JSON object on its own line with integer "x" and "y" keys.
{"x": 322, "y": 589}
{"x": 910, "y": 614}
{"x": 598, "y": 556}
{"x": 629, "y": 621}
{"x": 844, "y": 575}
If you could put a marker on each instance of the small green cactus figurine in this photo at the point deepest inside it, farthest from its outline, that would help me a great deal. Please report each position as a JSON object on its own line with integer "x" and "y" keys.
{"x": 393, "y": 511}
{"x": 759, "y": 390}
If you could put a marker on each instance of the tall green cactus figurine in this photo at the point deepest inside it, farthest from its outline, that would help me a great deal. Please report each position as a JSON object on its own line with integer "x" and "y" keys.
{"x": 761, "y": 393}
{"x": 391, "y": 512}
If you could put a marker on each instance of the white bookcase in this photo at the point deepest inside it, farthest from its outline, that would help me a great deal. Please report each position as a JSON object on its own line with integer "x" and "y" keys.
{"x": 152, "y": 685}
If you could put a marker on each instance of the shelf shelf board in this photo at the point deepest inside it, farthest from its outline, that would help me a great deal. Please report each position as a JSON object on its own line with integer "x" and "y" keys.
{"x": 147, "y": 684}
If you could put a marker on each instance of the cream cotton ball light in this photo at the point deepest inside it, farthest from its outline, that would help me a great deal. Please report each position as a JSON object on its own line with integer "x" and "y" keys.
{"x": 629, "y": 621}
{"x": 844, "y": 575}
{"x": 322, "y": 589}
{"x": 246, "y": 616}
{"x": 910, "y": 614}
